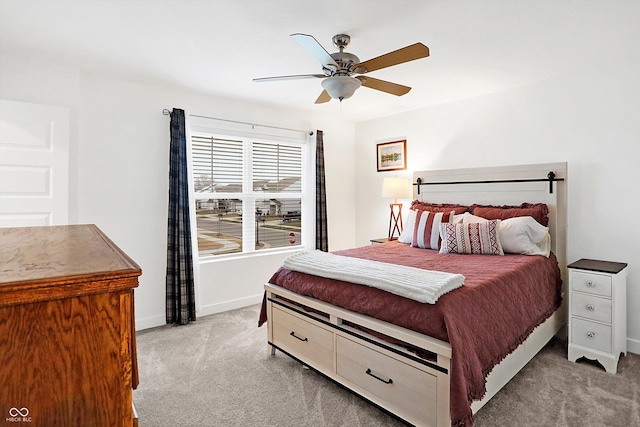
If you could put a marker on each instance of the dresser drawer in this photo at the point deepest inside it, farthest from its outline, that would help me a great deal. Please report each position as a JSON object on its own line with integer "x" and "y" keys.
{"x": 408, "y": 389}
{"x": 592, "y": 283}
{"x": 302, "y": 339}
{"x": 591, "y": 334}
{"x": 591, "y": 307}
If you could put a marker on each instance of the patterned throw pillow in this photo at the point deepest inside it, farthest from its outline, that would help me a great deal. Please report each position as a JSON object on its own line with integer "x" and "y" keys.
{"x": 426, "y": 232}
{"x": 472, "y": 238}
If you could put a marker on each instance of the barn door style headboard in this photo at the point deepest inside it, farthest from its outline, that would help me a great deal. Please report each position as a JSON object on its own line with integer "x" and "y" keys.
{"x": 504, "y": 185}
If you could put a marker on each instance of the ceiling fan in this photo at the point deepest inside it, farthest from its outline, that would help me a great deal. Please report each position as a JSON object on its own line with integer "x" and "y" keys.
{"x": 338, "y": 68}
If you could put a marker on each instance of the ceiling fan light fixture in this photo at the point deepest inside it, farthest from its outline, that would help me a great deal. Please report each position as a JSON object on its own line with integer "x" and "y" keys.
{"x": 341, "y": 87}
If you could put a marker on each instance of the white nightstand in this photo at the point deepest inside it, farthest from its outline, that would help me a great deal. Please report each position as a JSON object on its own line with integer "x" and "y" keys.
{"x": 598, "y": 311}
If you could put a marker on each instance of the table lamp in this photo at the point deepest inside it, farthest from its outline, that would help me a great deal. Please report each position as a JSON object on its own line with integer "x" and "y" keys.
{"x": 398, "y": 188}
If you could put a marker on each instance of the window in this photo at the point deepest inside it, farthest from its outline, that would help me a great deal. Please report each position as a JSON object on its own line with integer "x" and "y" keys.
{"x": 248, "y": 193}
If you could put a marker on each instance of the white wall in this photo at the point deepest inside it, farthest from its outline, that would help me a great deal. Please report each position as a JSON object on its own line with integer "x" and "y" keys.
{"x": 119, "y": 172}
{"x": 119, "y": 158}
{"x": 590, "y": 120}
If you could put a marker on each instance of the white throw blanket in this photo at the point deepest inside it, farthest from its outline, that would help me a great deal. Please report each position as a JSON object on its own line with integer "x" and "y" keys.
{"x": 425, "y": 286}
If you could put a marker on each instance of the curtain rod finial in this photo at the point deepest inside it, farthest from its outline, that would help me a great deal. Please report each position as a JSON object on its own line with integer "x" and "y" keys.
{"x": 166, "y": 112}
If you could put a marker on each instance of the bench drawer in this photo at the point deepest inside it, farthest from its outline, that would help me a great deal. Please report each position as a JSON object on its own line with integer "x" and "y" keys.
{"x": 304, "y": 340}
{"x": 410, "y": 391}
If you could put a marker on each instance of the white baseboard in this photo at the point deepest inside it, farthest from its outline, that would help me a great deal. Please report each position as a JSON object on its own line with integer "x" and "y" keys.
{"x": 229, "y": 305}
{"x": 150, "y": 322}
{"x": 633, "y": 346}
{"x": 155, "y": 321}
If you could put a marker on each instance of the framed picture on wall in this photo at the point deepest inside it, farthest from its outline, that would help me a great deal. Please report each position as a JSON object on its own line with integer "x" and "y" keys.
{"x": 392, "y": 156}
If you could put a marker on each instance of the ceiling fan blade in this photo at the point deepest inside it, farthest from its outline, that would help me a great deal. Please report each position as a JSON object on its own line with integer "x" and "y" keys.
{"x": 406, "y": 54}
{"x": 311, "y": 45}
{"x": 383, "y": 85}
{"x": 293, "y": 77}
{"x": 324, "y": 97}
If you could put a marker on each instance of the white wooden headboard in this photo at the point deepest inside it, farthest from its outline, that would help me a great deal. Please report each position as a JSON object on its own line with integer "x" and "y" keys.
{"x": 453, "y": 186}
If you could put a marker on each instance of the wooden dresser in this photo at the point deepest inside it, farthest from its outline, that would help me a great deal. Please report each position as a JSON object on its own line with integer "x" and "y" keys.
{"x": 67, "y": 333}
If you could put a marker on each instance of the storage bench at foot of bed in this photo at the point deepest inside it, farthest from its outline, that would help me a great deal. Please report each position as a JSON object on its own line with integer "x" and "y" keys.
{"x": 413, "y": 389}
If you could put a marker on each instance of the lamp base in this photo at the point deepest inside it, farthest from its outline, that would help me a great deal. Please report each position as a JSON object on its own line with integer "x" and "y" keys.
{"x": 395, "y": 221}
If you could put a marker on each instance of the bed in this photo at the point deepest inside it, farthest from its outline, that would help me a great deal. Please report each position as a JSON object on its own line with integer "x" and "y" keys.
{"x": 433, "y": 364}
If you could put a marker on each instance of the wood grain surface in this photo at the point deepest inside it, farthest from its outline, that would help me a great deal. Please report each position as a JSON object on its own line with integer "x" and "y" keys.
{"x": 66, "y": 345}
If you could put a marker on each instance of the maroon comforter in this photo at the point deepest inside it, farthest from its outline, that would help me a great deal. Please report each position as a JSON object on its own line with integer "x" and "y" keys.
{"x": 504, "y": 298}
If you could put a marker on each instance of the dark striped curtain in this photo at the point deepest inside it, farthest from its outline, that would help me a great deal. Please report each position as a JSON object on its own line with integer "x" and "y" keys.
{"x": 322, "y": 241}
{"x": 181, "y": 301}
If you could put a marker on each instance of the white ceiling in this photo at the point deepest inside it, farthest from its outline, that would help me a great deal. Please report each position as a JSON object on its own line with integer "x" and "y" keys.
{"x": 217, "y": 46}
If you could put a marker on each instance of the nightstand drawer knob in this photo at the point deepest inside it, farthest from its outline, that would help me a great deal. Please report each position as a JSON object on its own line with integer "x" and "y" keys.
{"x": 590, "y": 307}
{"x": 590, "y": 283}
{"x": 591, "y": 334}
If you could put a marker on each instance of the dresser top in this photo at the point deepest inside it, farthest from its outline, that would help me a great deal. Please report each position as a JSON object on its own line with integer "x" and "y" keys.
{"x": 596, "y": 265}
{"x": 57, "y": 254}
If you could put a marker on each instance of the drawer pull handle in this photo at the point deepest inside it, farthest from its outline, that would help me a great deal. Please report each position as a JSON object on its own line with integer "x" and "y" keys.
{"x": 389, "y": 381}
{"x": 591, "y": 334}
{"x": 590, "y": 283}
{"x": 590, "y": 307}
{"x": 293, "y": 334}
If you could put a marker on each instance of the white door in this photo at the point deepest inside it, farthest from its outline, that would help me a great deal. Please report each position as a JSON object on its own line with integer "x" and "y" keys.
{"x": 34, "y": 164}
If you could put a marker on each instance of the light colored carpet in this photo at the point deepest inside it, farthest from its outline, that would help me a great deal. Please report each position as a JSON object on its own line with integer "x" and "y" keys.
{"x": 216, "y": 372}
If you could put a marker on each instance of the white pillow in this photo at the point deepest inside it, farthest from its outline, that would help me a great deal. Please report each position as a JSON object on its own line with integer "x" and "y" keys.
{"x": 519, "y": 235}
{"x": 524, "y": 235}
{"x": 407, "y": 232}
{"x": 468, "y": 218}
{"x": 457, "y": 219}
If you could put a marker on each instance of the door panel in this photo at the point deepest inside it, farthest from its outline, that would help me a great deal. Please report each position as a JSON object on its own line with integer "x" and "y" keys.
{"x": 34, "y": 164}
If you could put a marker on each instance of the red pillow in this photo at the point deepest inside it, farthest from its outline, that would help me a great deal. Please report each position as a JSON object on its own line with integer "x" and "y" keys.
{"x": 439, "y": 207}
{"x": 426, "y": 231}
{"x": 539, "y": 211}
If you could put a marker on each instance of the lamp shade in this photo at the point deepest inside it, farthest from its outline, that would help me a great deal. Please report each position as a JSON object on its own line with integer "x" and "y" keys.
{"x": 398, "y": 188}
{"x": 341, "y": 87}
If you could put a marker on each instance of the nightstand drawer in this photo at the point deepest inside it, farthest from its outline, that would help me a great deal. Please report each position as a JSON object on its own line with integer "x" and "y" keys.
{"x": 591, "y": 334}
{"x": 591, "y": 307}
{"x": 592, "y": 283}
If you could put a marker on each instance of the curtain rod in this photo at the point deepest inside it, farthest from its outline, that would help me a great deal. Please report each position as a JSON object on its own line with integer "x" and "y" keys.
{"x": 166, "y": 112}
